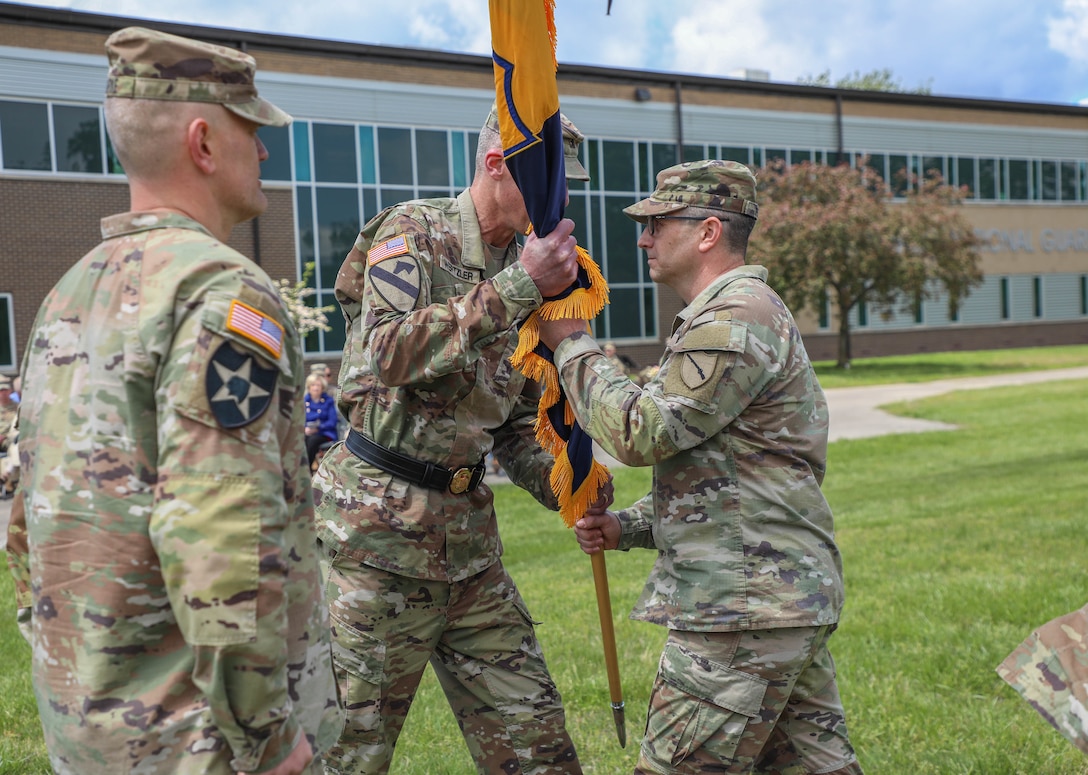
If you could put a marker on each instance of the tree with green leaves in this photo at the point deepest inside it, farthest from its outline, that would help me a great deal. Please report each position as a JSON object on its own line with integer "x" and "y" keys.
{"x": 876, "y": 80}
{"x": 835, "y": 235}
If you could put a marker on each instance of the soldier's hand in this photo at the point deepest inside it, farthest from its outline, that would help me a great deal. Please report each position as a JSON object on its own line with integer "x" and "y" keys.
{"x": 552, "y": 261}
{"x": 295, "y": 764}
{"x": 596, "y": 532}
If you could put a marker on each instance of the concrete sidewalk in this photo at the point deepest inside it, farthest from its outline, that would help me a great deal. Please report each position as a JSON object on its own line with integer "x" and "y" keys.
{"x": 855, "y": 412}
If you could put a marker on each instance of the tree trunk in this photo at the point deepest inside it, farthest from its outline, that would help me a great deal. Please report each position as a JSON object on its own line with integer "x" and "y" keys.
{"x": 844, "y": 338}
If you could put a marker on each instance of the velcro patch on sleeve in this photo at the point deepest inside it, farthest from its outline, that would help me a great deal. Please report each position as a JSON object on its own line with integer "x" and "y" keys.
{"x": 255, "y": 326}
{"x": 394, "y": 246}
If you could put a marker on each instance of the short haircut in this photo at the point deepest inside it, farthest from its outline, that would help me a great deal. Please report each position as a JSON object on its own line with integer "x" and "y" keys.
{"x": 144, "y": 132}
{"x": 489, "y": 139}
{"x": 736, "y": 228}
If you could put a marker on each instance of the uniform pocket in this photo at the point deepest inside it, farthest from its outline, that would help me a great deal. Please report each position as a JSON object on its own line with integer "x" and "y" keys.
{"x": 359, "y": 661}
{"x": 697, "y": 703}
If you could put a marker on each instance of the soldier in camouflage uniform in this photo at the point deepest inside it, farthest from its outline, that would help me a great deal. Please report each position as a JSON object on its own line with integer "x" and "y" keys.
{"x": 432, "y": 293}
{"x": 9, "y": 433}
{"x": 162, "y": 539}
{"x": 1050, "y": 671}
{"x": 748, "y": 579}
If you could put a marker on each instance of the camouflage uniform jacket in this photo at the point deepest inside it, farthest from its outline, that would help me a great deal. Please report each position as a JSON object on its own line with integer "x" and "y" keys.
{"x": 178, "y": 624}
{"x": 431, "y": 324}
{"x": 735, "y": 425}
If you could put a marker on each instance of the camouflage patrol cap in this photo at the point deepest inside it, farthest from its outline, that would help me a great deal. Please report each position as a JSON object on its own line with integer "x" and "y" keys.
{"x": 711, "y": 184}
{"x": 572, "y": 138}
{"x": 151, "y": 65}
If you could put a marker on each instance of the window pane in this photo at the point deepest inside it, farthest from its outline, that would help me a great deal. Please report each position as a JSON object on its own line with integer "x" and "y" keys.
{"x": 114, "y": 164}
{"x": 694, "y": 153}
{"x": 1049, "y": 188}
{"x": 965, "y": 175}
{"x": 301, "y": 132}
{"x": 460, "y": 165}
{"x": 649, "y": 312}
{"x": 334, "y": 153}
{"x": 304, "y": 209}
{"x": 898, "y": 174}
{"x": 774, "y": 154}
{"x": 623, "y": 313}
{"x": 799, "y": 156}
{"x": 1069, "y": 181}
{"x": 337, "y": 227}
{"x": 395, "y": 155}
{"x": 1018, "y": 179}
{"x": 757, "y": 157}
{"x": 78, "y": 133}
{"x": 370, "y": 204}
{"x": 277, "y": 140}
{"x": 578, "y": 213}
{"x": 621, "y": 235}
{"x": 366, "y": 154}
{"x": 735, "y": 153}
{"x": 7, "y": 336}
{"x": 432, "y": 158}
{"x": 987, "y": 179}
{"x": 394, "y": 196}
{"x": 647, "y": 173}
{"x": 933, "y": 164}
{"x": 25, "y": 130}
{"x": 878, "y": 162}
{"x": 664, "y": 156}
{"x": 333, "y": 339}
{"x": 619, "y": 165}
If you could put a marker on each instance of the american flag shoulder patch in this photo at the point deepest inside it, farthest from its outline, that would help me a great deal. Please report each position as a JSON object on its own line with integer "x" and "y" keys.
{"x": 395, "y": 246}
{"x": 255, "y": 326}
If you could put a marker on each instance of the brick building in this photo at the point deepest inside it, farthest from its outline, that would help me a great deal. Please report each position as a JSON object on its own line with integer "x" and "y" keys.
{"x": 376, "y": 125}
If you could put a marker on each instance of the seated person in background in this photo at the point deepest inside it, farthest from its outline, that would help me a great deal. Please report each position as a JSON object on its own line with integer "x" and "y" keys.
{"x": 320, "y": 416}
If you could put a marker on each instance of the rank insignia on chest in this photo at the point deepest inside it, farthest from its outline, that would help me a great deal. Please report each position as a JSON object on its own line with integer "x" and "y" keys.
{"x": 239, "y": 389}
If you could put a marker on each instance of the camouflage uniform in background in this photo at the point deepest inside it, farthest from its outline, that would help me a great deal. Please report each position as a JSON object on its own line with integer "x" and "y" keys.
{"x": 162, "y": 540}
{"x": 415, "y": 573}
{"x": 1050, "y": 671}
{"x": 9, "y": 439}
{"x": 748, "y": 578}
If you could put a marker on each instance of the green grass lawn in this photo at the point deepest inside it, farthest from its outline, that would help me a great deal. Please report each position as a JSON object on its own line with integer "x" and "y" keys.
{"x": 956, "y": 545}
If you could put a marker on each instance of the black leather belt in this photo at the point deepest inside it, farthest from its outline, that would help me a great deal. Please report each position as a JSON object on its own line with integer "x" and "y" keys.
{"x": 415, "y": 471}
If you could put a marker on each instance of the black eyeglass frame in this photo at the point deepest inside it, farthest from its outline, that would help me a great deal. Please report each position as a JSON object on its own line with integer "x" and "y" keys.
{"x": 653, "y": 230}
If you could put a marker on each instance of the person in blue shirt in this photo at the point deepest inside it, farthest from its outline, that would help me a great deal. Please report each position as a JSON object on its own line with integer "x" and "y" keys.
{"x": 320, "y": 416}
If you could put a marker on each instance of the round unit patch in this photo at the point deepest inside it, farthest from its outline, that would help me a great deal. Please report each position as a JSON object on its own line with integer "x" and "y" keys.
{"x": 239, "y": 388}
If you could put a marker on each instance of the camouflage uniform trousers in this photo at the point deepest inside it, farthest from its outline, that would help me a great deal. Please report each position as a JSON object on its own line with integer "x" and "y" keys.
{"x": 756, "y": 701}
{"x": 480, "y": 642}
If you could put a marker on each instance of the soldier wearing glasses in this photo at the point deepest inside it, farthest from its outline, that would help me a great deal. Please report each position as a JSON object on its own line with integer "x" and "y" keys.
{"x": 748, "y": 578}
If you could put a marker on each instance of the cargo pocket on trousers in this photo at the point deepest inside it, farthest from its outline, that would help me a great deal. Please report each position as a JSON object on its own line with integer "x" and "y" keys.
{"x": 359, "y": 661}
{"x": 697, "y": 703}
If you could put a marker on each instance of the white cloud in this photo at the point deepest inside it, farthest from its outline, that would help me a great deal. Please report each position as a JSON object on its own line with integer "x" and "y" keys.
{"x": 1068, "y": 33}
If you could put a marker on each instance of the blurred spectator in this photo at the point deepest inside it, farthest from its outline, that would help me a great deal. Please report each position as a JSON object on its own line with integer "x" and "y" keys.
{"x": 320, "y": 416}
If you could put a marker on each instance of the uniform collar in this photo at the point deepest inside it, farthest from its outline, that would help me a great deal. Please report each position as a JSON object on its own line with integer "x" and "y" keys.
{"x": 473, "y": 250}
{"x": 753, "y": 271}
{"x": 135, "y": 222}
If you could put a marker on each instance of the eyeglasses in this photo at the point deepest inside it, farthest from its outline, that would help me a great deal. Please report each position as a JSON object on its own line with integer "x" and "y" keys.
{"x": 652, "y": 219}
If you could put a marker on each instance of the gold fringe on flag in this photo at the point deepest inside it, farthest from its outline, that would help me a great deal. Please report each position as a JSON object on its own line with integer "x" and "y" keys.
{"x": 584, "y": 303}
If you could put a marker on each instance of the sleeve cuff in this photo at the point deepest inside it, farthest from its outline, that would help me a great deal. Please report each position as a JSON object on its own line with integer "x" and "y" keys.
{"x": 571, "y": 348}
{"x": 517, "y": 290}
{"x": 635, "y": 532}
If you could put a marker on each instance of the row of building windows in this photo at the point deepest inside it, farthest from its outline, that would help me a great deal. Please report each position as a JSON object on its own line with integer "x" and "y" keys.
{"x": 344, "y": 174}
{"x": 1000, "y": 299}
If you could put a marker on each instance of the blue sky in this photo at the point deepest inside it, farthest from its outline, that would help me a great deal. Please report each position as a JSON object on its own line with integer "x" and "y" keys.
{"x": 991, "y": 49}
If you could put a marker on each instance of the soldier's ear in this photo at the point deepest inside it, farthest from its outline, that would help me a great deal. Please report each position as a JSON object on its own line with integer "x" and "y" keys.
{"x": 495, "y": 163}
{"x": 198, "y": 144}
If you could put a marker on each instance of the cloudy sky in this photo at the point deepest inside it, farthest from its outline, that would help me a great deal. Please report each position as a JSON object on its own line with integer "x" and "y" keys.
{"x": 994, "y": 49}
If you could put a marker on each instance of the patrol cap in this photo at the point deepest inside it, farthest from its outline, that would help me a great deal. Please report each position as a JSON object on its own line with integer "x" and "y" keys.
{"x": 572, "y": 138}
{"x": 318, "y": 368}
{"x": 151, "y": 65}
{"x": 711, "y": 184}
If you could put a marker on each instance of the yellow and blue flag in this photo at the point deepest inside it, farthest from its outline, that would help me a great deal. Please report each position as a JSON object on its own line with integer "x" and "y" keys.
{"x": 523, "y": 38}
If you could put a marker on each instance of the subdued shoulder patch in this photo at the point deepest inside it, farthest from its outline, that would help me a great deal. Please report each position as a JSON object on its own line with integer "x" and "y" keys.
{"x": 239, "y": 389}
{"x": 696, "y": 368}
{"x": 397, "y": 276}
{"x": 256, "y": 326}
